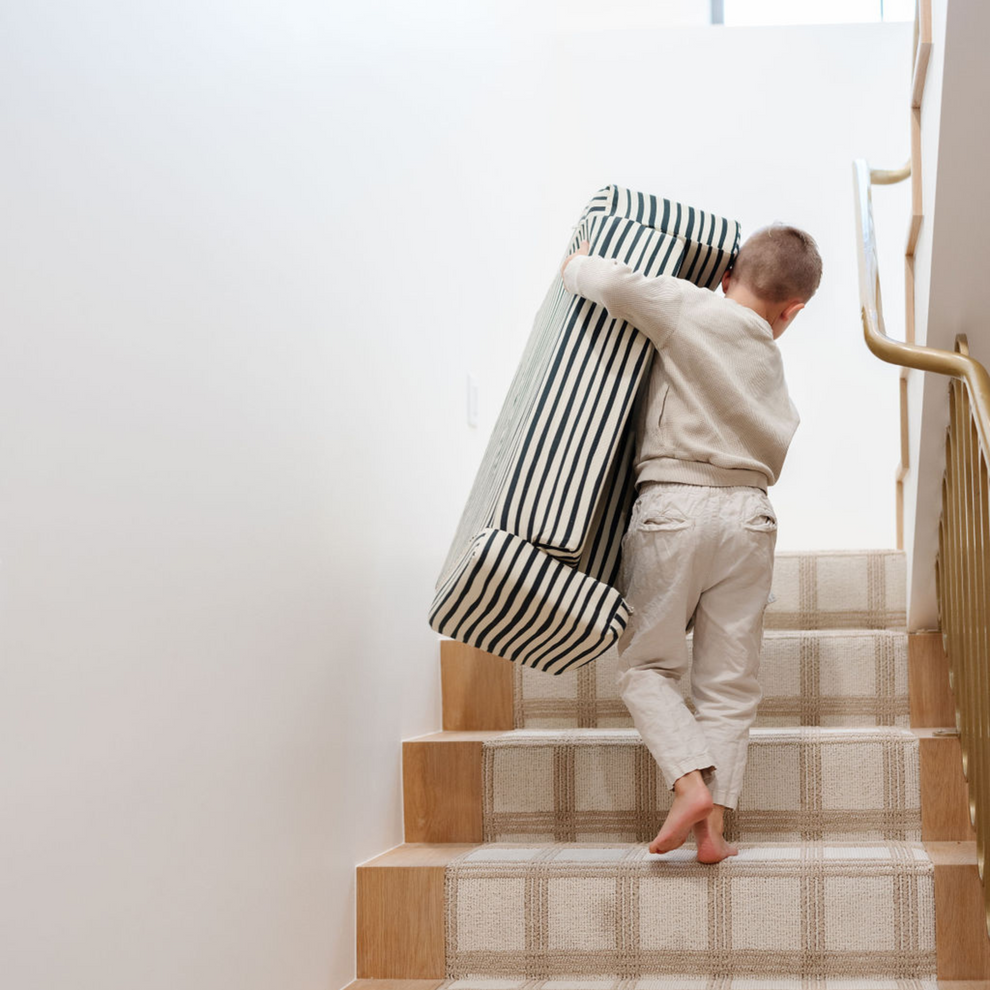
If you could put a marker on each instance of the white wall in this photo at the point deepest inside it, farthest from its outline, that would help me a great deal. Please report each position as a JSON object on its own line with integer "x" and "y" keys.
{"x": 248, "y": 259}
{"x": 950, "y": 262}
{"x": 774, "y": 117}
{"x": 926, "y": 435}
{"x": 592, "y": 15}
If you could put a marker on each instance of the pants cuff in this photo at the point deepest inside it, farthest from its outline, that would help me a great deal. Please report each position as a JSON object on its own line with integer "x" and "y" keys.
{"x": 724, "y": 797}
{"x": 703, "y": 762}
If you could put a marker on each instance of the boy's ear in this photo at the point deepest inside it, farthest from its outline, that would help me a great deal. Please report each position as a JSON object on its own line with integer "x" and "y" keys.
{"x": 726, "y": 278}
{"x": 791, "y": 311}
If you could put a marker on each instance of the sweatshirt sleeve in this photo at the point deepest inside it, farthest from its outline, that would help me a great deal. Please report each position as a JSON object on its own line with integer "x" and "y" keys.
{"x": 651, "y": 304}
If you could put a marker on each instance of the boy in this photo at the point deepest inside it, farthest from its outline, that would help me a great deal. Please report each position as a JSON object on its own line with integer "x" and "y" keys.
{"x": 712, "y": 435}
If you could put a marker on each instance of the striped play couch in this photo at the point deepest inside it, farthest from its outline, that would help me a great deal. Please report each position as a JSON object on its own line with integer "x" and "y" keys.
{"x": 532, "y": 571}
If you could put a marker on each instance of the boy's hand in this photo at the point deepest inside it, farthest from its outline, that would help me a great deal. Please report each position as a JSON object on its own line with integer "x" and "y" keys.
{"x": 585, "y": 248}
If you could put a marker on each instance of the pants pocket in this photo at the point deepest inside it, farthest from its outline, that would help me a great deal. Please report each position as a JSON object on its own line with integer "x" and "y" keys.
{"x": 664, "y": 518}
{"x": 661, "y": 511}
{"x": 760, "y": 516}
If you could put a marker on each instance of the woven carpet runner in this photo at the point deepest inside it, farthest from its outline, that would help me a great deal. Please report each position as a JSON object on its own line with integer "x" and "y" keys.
{"x": 832, "y": 888}
{"x": 603, "y": 785}
{"x": 681, "y": 982}
{"x": 567, "y": 909}
{"x": 685, "y": 982}
{"x": 834, "y": 652}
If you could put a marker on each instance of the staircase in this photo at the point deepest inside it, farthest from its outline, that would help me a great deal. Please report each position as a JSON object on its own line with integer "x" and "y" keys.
{"x": 527, "y": 822}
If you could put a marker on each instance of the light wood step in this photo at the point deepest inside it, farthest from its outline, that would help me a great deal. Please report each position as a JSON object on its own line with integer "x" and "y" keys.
{"x": 863, "y": 676}
{"x": 433, "y": 984}
{"x": 445, "y": 801}
{"x": 401, "y": 900}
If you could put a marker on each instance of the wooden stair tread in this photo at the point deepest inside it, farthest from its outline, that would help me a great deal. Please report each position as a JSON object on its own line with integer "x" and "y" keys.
{"x": 421, "y": 854}
{"x": 942, "y": 853}
{"x": 951, "y": 853}
{"x": 433, "y": 984}
{"x": 483, "y": 735}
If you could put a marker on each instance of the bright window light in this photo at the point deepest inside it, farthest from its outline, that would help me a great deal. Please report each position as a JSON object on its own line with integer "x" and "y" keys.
{"x": 751, "y": 12}
{"x": 898, "y": 10}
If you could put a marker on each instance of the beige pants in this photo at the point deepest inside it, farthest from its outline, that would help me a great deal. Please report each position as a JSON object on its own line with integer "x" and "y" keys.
{"x": 707, "y": 553}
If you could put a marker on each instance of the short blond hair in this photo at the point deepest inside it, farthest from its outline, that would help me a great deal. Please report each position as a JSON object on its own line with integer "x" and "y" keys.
{"x": 779, "y": 262}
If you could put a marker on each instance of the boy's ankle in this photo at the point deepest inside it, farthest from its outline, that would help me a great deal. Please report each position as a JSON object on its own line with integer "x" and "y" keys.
{"x": 716, "y": 818}
{"x": 689, "y": 782}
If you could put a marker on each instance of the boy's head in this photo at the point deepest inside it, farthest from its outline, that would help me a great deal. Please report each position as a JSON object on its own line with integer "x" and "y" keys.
{"x": 776, "y": 271}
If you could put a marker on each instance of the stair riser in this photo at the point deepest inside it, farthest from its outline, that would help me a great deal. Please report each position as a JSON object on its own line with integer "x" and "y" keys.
{"x": 823, "y": 679}
{"x": 838, "y": 590}
{"x": 470, "y": 790}
{"x": 481, "y": 691}
{"x": 556, "y": 915}
{"x": 854, "y": 786}
{"x": 403, "y": 909}
{"x": 461, "y": 791}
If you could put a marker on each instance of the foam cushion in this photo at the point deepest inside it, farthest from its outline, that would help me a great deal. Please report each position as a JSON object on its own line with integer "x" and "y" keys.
{"x": 532, "y": 571}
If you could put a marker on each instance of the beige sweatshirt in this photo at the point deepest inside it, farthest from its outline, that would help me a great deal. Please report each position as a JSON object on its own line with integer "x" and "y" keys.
{"x": 717, "y": 411}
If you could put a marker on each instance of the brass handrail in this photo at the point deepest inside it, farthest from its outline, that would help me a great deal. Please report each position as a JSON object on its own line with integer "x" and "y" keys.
{"x": 887, "y": 176}
{"x": 877, "y": 176}
{"x": 956, "y": 364}
{"x": 962, "y": 565}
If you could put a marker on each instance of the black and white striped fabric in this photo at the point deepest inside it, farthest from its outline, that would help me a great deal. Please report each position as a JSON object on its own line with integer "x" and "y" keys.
{"x": 531, "y": 573}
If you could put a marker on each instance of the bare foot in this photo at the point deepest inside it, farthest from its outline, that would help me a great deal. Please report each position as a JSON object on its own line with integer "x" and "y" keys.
{"x": 692, "y": 803}
{"x": 712, "y": 847}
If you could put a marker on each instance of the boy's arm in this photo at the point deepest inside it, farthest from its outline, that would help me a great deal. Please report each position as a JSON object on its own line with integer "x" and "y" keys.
{"x": 651, "y": 305}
